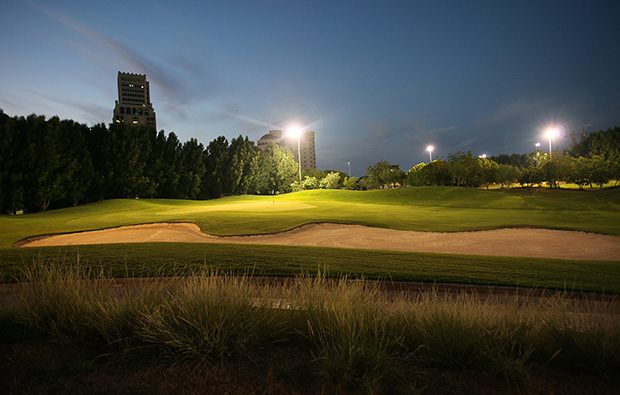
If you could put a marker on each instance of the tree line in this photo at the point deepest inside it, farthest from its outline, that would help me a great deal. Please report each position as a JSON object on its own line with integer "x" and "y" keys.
{"x": 595, "y": 161}
{"x": 53, "y": 163}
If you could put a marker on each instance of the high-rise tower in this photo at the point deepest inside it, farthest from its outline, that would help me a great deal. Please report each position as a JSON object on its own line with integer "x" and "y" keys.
{"x": 134, "y": 101}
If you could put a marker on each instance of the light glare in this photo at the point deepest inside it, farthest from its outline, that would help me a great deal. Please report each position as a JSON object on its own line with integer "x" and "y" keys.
{"x": 294, "y": 131}
{"x": 551, "y": 133}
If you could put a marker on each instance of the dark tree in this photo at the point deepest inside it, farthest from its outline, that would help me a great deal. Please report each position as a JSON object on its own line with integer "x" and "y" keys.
{"x": 47, "y": 170}
{"x": 80, "y": 173}
{"x": 191, "y": 169}
{"x": 605, "y": 144}
{"x": 11, "y": 164}
{"x": 127, "y": 150}
{"x": 218, "y": 176}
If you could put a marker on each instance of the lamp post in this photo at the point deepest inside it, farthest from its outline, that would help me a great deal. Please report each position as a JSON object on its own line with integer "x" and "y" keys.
{"x": 551, "y": 133}
{"x": 349, "y": 163}
{"x": 430, "y": 149}
{"x": 296, "y": 132}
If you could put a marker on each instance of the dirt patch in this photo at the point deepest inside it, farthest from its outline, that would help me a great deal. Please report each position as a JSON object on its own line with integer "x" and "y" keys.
{"x": 59, "y": 368}
{"x": 538, "y": 243}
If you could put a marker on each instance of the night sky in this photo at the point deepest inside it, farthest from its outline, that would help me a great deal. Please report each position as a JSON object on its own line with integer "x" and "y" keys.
{"x": 376, "y": 80}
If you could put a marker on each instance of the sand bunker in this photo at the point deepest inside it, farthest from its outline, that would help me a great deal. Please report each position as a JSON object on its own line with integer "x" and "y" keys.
{"x": 542, "y": 243}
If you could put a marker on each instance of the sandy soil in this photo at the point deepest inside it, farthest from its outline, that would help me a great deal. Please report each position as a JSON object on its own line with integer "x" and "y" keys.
{"x": 541, "y": 243}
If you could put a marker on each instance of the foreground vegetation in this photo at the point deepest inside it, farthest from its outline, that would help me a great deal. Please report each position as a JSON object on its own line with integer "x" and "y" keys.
{"x": 354, "y": 335}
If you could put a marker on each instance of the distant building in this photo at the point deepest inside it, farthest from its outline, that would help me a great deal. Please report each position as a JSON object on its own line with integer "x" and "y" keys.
{"x": 308, "y": 154}
{"x": 134, "y": 101}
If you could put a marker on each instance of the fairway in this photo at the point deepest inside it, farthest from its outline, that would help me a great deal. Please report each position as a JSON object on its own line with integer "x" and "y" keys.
{"x": 264, "y": 207}
{"x": 436, "y": 209}
{"x": 425, "y": 209}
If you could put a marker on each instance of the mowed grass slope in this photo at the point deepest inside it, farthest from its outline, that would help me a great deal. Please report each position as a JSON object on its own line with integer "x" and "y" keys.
{"x": 182, "y": 259}
{"x": 421, "y": 209}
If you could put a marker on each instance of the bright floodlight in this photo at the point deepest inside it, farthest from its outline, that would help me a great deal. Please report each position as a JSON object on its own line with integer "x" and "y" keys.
{"x": 551, "y": 133}
{"x": 294, "y": 131}
{"x": 430, "y": 149}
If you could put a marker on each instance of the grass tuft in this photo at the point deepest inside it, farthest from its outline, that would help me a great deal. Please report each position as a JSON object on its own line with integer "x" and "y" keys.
{"x": 582, "y": 335}
{"x": 349, "y": 331}
{"x": 358, "y": 335}
{"x": 209, "y": 317}
{"x": 71, "y": 303}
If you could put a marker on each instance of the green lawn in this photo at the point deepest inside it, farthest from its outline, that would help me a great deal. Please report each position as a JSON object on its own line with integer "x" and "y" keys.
{"x": 168, "y": 259}
{"x": 422, "y": 209}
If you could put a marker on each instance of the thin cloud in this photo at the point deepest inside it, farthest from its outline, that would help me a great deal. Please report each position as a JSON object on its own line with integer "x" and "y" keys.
{"x": 232, "y": 111}
{"x": 519, "y": 108}
{"x": 92, "y": 111}
{"x": 21, "y": 106}
{"x": 461, "y": 146}
{"x": 186, "y": 64}
{"x": 4, "y": 102}
{"x": 406, "y": 133}
{"x": 382, "y": 130}
{"x": 161, "y": 74}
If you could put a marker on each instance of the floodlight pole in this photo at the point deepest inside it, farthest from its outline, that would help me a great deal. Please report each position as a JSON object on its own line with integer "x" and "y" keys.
{"x": 551, "y": 133}
{"x": 299, "y": 157}
{"x": 550, "y": 152}
{"x": 430, "y": 149}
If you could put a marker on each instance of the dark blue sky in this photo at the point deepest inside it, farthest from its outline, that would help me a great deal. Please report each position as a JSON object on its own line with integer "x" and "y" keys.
{"x": 376, "y": 80}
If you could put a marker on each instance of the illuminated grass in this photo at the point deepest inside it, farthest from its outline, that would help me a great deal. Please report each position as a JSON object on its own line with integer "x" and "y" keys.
{"x": 432, "y": 208}
{"x": 423, "y": 209}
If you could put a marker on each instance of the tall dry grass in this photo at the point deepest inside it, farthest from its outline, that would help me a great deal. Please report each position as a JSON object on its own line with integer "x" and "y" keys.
{"x": 72, "y": 304}
{"x": 349, "y": 329}
{"x": 210, "y": 316}
{"x": 358, "y": 335}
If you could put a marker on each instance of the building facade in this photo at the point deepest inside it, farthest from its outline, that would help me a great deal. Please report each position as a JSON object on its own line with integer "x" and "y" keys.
{"x": 134, "y": 101}
{"x": 307, "y": 148}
